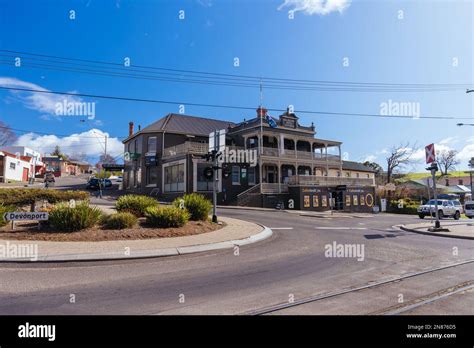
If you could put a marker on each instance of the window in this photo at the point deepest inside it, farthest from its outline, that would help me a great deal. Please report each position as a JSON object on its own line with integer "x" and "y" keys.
{"x": 12, "y": 165}
{"x": 357, "y": 175}
{"x": 338, "y": 173}
{"x": 151, "y": 147}
{"x": 152, "y": 175}
{"x": 235, "y": 175}
{"x": 203, "y": 184}
{"x": 460, "y": 182}
{"x": 368, "y": 176}
{"x": 251, "y": 175}
{"x": 174, "y": 178}
{"x": 348, "y": 174}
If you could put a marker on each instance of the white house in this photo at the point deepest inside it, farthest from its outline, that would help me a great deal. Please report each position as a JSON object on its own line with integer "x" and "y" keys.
{"x": 14, "y": 167}
{"x": 37, "y": 165}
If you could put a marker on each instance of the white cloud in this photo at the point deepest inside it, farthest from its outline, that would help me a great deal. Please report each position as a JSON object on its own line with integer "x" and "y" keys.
{"x": 205, "y": 3}
{"x": 369, "y": 158}
{"x": 89, "y": 144}
{"x": 41, "y": 102}
{"x": 320, "y": 7}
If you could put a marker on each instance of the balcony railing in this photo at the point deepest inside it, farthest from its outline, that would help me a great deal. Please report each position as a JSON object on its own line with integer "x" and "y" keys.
{"x": 186, "y": 147}
{"x": 328, "y": 180}
{"x": 274, "y": 188}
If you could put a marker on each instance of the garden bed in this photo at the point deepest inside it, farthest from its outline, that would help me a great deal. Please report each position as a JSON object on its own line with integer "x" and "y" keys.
{"x": 29, "y": 231}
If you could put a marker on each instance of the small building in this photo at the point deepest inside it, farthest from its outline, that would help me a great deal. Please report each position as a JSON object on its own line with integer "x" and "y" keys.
{"x": 292, "y": 167}
{"x": 37, "y": 166}
{"x": 14, "y": 167}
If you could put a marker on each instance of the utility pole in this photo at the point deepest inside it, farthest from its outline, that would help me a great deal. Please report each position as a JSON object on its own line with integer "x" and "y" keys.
{"x": 260, "y": 145}
{"x": 215, "y": 167}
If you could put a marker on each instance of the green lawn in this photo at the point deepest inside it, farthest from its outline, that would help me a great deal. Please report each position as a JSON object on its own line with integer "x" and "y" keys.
{"x": 416, "y": 176}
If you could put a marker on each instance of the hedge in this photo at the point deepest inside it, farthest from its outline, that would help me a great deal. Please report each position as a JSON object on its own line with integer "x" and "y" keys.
{"x": 166, "y": 217}
{"x": 197, "y": 205}
{"x": 409, "y": 207}
{"x": 25, "y": 196}
{"x": 135, "y": 204}
{"x": 118, "y": 221}
{"x": 66, "y": 219}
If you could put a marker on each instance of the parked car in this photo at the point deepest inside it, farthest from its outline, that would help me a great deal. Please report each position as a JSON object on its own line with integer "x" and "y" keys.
{"x": 94, "y": 183}
{"x": 469, "y": 209}
{"x": 119, "y": 179}
{"x": 446, "y": 208}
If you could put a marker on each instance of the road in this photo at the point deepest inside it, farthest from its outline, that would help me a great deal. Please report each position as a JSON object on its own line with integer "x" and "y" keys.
{"x": 288, "y": 268}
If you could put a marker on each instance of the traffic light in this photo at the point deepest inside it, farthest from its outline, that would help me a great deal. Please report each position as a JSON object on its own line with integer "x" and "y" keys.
{"x": 208, "y": 173}
{"x": 226, "y": 172}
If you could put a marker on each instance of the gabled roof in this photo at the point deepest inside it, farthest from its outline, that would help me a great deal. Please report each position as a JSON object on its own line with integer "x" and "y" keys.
{"x": 356, "y": 166}
{"x": 184, "y": 124}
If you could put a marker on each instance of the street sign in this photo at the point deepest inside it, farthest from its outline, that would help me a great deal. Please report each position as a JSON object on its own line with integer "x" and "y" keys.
{"x": 25, "y": 216}
{"x": 217, "y": 141}
{"x": 430, "y": 153}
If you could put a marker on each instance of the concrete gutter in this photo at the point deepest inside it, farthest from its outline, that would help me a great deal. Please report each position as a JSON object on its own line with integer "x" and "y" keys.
{"x": 437, "y": 234}
{"x": 105, "y": 255}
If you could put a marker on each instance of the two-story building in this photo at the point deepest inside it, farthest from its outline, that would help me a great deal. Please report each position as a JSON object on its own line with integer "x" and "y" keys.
{"x": 292, "y": 166}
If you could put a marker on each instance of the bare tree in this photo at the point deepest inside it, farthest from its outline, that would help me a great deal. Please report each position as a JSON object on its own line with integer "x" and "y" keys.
{"x": 447, "y": 160}
{"x": 399, "y": 156}
{"x": 7, "y": 137}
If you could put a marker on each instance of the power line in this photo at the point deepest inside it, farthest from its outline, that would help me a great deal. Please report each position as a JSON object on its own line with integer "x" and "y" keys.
{"x": 231, "y": 106}
{"x": 55, "y": 134}
{"x": 232, "y": 84}
{"x": 223, "y": 79}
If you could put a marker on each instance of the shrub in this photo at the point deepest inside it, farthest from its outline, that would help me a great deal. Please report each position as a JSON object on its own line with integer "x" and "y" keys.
{"x": 118, "y": 221}
{"x": 66, "y": 219}
{"x": 5, "y": 209}
{"x": 197, "y": 205}
{"x": 166, "y": 216}
{"x": 135, "y": 204}
{"x": 409, "y": 207}
{"x": 25, "y": 196}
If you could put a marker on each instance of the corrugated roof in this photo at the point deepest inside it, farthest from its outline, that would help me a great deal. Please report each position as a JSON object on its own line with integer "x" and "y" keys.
{"x": 194, "y": 125}
{"x": 357, "y": 166}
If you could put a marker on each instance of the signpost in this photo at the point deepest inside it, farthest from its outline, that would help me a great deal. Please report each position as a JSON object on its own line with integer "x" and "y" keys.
{"x": 25, "y": 216}
{"x": 431, "y": 159}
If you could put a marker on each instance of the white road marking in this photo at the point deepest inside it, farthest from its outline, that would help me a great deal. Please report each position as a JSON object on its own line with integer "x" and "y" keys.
{"x": 281, "y": 228}
{"x": 341, "y": 228}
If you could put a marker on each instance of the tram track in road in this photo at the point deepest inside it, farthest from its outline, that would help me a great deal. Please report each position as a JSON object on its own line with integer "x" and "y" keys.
{"x": 398, "y": 309}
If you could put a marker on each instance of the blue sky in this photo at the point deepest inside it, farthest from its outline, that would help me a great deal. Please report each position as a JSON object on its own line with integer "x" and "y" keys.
{"x": 381, "y": 47}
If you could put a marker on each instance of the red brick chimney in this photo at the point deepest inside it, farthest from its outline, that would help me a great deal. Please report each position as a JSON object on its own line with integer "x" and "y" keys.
{"x": 130, "y": 129}
{"x": 261, "y": 112}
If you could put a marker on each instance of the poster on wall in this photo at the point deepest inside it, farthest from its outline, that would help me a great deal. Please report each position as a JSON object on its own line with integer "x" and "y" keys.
{"x": 306, "y": 201}
{"x": 324, "y": 201}
{"x": 315, "y": 201}
{"x": 369, "y": 200}
{"x": 362, "y": 200}
{"x": 354, "y": 200}
{"x": 348, "y": 200}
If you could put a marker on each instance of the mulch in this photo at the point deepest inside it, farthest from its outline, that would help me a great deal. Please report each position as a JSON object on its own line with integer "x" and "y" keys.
{"x": 29, "y": 231}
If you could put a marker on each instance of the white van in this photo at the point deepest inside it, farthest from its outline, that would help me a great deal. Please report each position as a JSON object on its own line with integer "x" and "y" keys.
{"x": 469, "y": 209}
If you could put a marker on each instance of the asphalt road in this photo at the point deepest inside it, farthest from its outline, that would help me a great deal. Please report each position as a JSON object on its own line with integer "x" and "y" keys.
{"x": 288, "y": 267}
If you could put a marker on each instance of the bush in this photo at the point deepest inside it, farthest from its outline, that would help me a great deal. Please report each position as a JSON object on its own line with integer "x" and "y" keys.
{"x": 135, "y": 204}
{"x": 25, "y": 196}
{"x": 66, "y": 219}
{"x": 166, "y": 216}
{"x": 5, "y": 209}
{"x": 197, "y": 205}
{"x": 118, "y": 221}
{"x": 409, "y": 207}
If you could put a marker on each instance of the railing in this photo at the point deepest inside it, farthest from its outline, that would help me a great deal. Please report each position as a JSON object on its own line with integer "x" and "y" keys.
{"x": 186, "y": 147}
{"x": 274, "y": 188}
{"x": 328, "y": 180}
{"x": 244, "y": 197}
